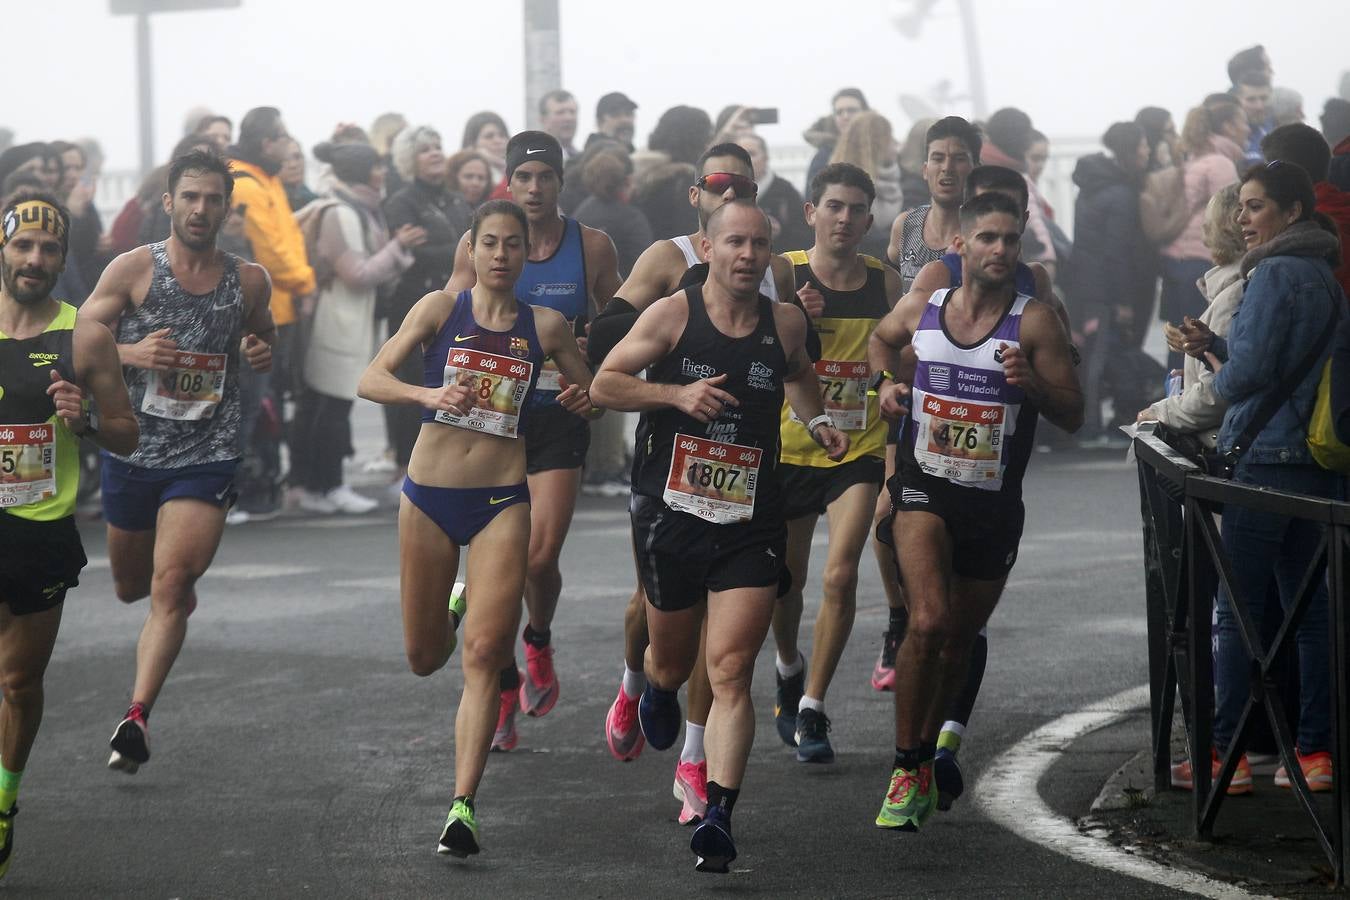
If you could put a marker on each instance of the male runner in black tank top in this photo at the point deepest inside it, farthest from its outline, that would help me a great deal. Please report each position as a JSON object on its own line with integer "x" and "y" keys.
{"x": 705, "y": 509}
{"x": 49, "y": 363}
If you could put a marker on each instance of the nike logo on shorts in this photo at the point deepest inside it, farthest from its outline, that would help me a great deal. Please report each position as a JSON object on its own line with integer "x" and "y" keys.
{"x": 496, "y": 501}
{"x": 464, "y": 337}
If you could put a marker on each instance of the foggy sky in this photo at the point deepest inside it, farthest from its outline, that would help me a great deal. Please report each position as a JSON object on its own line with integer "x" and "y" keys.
{"x": 1074, "y": 65}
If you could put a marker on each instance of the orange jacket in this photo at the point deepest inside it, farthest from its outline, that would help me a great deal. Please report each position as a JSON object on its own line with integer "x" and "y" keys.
{"x": 278, "y": 245}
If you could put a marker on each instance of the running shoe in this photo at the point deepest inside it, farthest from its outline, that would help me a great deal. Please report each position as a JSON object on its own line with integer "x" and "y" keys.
{"x": 1316, "y": 771}
{"x": 947, "y": 773}
{"x": 813, "y": 737}
{"x": 883, "y": 673}
{"x": 539, "y": 688}
{"x": 7, "y": 829}
{"x": 130, "y": 744}
{"x": 786, "y": 700}
{"x": 346, "y": 500}
{"x": 623, "y": 734}
{"x": 712, "y": 844}
{"x": 316, "y": 504}
{"x": 458, "y": 598}
{"x": 691, "y": 789}
{"x": 505, "y": 737}
{"x": 659, "y": 715}
{"x": 1183, "y": 777}
{"x": 459, "y": 838}
{"x": 910, "y": 799}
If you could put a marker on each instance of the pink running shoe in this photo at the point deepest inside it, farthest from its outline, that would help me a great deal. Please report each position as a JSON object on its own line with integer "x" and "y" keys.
{"x": 691, "y": 789}
{"x": 883, "y": 674}
{"x": 539, "y": 687}
{"x": 623, "y": 734}
{"x": 505, "y": 737}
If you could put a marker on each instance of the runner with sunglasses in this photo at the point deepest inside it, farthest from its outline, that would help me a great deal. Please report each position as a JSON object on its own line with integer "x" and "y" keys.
{"x": 720, "y": 360}
{"x": 572, "y": 269}
{"x": 664, "y": 268}
{"x": 483, "y": 351}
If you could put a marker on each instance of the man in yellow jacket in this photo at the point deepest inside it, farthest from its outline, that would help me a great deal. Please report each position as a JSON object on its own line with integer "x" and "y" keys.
{"x": 269, "y": 224}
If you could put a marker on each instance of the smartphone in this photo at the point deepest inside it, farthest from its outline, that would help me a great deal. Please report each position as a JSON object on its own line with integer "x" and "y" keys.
{"x": 767, "y": 116}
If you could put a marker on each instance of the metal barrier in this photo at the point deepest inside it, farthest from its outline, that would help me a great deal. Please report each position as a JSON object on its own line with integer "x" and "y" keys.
{"x": 1185, "y": 562}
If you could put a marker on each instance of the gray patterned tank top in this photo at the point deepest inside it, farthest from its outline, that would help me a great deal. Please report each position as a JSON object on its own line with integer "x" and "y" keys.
{"x": 190, "y": 414}
{"x": 914, "y": 253}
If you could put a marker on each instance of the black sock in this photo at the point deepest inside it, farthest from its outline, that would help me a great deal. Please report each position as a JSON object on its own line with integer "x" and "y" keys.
{"x": 723, "y": 797}
{"x": 927, "y": 750}
{"x": 907, "y": 759}
{"x": 509, "y": 679}
{"x": 468, "y": 801}
{"x": 537, "y": 639}
{"x": 899, "y": 620}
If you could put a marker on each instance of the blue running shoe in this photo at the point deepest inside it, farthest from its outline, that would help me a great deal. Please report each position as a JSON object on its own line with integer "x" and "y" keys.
{"x": 947, "y": 774}
{"x": 659, "y": 715}
{"x": 712, "y": 842}
{"x": 813, "y": 737}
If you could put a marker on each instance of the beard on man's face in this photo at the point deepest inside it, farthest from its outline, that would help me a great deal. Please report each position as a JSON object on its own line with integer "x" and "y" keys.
{"x": 24, "y": 292}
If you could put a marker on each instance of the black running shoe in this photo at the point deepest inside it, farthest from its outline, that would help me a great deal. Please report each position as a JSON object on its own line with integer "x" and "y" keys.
{"x": 712, "y": 844}
{"x": 130, "y": 745}
{"x": 786, "y": 701}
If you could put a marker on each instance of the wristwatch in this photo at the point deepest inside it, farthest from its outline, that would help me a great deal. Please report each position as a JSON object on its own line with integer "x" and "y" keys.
{"x": 883, "y": 375}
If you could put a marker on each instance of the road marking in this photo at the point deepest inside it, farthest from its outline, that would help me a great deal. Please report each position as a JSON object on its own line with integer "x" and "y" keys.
{"x": 1008, "y": 795}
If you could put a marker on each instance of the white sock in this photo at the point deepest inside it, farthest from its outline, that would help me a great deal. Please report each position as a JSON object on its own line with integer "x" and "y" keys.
{"x": 955, "y": 728}
{"x": 811, "y": 703}
{"x": 693, "y": 743}
{"x": 633, "y": 682}
{"x": 788, "y": 670}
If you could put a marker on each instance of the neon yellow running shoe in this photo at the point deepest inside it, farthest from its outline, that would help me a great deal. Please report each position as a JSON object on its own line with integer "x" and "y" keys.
{"x": 910, "y": 798}
{"x": 460, "y": 836}
{"x": 459, "y": 596}
{"x": 7, "y": 837}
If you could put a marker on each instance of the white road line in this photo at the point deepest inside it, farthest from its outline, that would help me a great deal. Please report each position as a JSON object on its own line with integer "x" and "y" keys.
{"x": 1007, "y": 793}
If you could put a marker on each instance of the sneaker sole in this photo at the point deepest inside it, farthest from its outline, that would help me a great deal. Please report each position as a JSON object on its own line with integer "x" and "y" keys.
{"x": 461, "y": 842}
{"x": 907, "y": 825}
{"x": 714, "y": 855}
{"x": 819, "y": 759}
{"x": 119, "y": 763}
{"x": 546, "y": 702}
{"x": 615, "y": 748}
{"x": 130, "y": 750}
{"x": 689, "y": 813}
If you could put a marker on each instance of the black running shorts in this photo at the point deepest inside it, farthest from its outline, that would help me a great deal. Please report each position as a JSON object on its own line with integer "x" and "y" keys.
{"x": 986, "y": 527}
{"x": 39, "y": 562}
{"x": 554, "y": 439}
{"x": 680, "y": 557}
{"x": 808, "y": 490}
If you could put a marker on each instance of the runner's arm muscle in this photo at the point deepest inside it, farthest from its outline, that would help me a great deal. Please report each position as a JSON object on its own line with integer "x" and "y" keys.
{"x": 897, "y": 231}
{"x": 100, "y": 372}
{"x": 602, "y": 266}
{"x": 616, "y": 385}
{"x": 556, "y": 340}
{"x": 379, "y": 383}
{"x": 801, "y": 384}
{"x": 1050, "y": 382}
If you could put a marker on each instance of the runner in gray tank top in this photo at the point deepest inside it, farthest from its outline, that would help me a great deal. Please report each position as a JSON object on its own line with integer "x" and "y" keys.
{"x": 186, "y": 316}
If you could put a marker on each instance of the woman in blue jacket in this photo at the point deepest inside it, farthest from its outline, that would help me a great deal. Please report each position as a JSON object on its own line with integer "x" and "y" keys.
{"x": 1290, "y": 299}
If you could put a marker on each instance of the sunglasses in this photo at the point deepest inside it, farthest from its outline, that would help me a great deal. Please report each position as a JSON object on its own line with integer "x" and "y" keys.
{"x": 720, "y": 182}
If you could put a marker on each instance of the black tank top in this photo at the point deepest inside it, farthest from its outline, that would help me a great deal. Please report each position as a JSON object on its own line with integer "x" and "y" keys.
{"x": 755, "y": 366}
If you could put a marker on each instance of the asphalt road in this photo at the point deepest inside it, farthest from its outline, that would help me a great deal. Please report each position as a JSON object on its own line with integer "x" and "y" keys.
{"x": 294, "y": 754}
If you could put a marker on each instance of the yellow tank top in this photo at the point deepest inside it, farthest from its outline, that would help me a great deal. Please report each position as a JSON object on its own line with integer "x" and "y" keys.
{"x": 844, "y": 327}
{"x": 39, "y": 457}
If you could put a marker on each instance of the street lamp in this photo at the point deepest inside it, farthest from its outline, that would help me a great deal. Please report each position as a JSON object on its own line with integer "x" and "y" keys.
{"x": 142, "y": 10}
{"x": 909, "y": 16}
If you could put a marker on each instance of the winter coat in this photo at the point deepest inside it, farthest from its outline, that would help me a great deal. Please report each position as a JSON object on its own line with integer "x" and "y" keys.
{"x": 354, "y": 243}
{"x": 1197, "y": 410}
{"x": 1335, "y": 204}
{"x": 1285, "y": 306}
{"x": 625, "y": 225}
{"x": 780, "y": 199}
{"x": 1112, "y": 260}
{"x": 661, "y": 193}
{"x": 446, "y": 216}
{"x": 1204, "y": 176}
{"x": 269, "y": 225}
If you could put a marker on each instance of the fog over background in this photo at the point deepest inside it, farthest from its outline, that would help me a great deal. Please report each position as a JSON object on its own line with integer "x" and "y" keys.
{"x": 1074, "y": 65}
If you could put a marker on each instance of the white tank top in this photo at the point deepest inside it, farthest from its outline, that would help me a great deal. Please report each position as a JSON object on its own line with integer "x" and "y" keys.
{"x": 767, "y": 287}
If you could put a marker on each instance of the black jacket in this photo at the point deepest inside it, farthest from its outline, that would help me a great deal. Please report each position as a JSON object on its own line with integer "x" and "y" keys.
{"x": 1112, "y": 260}
{"x": 446, "y": 216}
{"x": 624, "y": 224}
{"x": 782, "y": 202}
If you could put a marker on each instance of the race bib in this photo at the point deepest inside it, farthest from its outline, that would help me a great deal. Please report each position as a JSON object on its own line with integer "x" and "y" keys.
{"x": 713, "y": 480}
{"x": 27, "y": 464}
{"x": 843, "y": 388}
{"x": 189, "y": 391}
{"x": 960, "y": 440}
{"x": 550, "y": 378}
{"x": 499, "y": 385}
